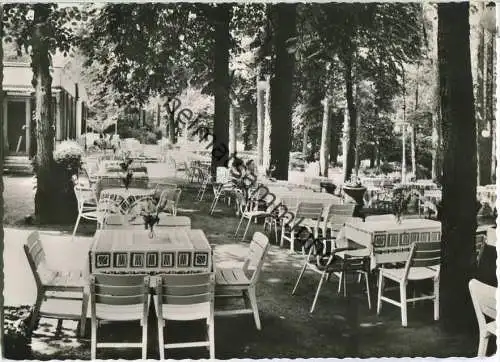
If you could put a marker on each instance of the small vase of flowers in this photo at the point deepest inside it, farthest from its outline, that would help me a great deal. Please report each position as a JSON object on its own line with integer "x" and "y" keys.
{"x": 150, "y": 214}
{"x": 127, "y": 172}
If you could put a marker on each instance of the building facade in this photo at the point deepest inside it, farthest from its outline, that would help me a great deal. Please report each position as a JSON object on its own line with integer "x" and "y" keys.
{"x": 69, "y": 108}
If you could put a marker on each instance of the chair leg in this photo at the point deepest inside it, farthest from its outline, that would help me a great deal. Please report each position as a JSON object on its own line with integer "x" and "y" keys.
{"x": 76, "y": 226}
{"x": 238, "y": 227}
{"x": 144, "y": 338}
{"x": 341, "y": 277}
{"x": 483, "y": 345}
{"x": 161, "y": 340}
{"x": 211, "y": 338}
{"x": 292, "y": 241}
{"x": 404, "y": 304}
{"x": 368, "y": 290}
{"x": 380, "y": 288}
{"x": 253, "y": 302}
{"x": 246, "y": 229}
{"x": 36, "y": 312}
{"x": 93, "y": 338}
{"x": 300, "y": 277}
{"x": 83, "y": 319}
{"x": 282, "y": 239}
{"x": 436, "y": 299}
{"x": 323, "y": 277}
{"x": 345, "y": 283}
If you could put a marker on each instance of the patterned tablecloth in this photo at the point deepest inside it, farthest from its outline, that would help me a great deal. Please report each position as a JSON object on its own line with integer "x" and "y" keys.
{"x": 390, "y": 241}
{"x": 133, "y": 251}
{"x": 114, "y": 180}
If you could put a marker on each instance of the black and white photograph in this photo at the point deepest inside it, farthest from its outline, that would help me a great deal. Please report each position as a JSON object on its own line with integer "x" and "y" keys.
{"x": 248, "y": 180}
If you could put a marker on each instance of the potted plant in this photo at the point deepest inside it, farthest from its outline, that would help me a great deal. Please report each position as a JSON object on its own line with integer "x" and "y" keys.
{"x": 354, "y": 189}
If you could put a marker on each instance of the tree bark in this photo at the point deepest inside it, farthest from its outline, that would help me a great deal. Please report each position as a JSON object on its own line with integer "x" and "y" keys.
{"x": 1, "y": 181}
{"x": 261, "y": 115}
{"x": 324, "y": 151}
{"x": 352, "y": 113}
{"x": 336, "y": 129}
{"x": 232, "y": 131}
{"x": 459, "y": 167}
{"x": 281, "y": 88}
{"x": 436, "y": 154}
{"x": 266, "y": 141}
{"x": 345, "y": 143}
{"x": 305, "y": 139}
{"x": 42, "y": 81}
{"x": 220, "y": 141}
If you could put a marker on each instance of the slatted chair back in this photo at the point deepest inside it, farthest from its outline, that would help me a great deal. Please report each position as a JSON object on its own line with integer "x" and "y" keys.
{"x": 255, "y": 258}
{"x": 185, "y": 289}
{"x": 337, "y": 215}
{"x": 424, "y": 254}
{"x": 309, "y": 211}
{"x": 119, "y": 290}
{"x": 484, "y": 301}
{"x": 35, "y": 254}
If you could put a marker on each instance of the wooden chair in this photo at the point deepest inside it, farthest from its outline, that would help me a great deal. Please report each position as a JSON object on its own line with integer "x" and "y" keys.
{"x": 56, "y": 285}
{"x": 308, "y": 215}
{"x": 241, "y": 282}
{"x": 184, "y": 297}
{"x": 423, "y": 263}
{"x": 119, "y": 298}
{"x": 206, "y": 182}
{"x": 484, "y": 301}
{"x": 326, "y": 261}
{"x": 336, "y": 217}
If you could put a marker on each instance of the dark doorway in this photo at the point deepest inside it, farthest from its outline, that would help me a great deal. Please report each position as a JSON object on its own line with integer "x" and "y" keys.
{"x": 16, "y": 133}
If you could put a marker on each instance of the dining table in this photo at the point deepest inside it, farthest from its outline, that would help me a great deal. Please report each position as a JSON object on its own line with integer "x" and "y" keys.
{"x": 106, "y": 180}
{"x": 167, "y": 250}
{"x": 389, "y": 241}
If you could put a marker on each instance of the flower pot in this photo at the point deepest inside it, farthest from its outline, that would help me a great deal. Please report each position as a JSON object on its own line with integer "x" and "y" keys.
{"x": 356, "y": 193}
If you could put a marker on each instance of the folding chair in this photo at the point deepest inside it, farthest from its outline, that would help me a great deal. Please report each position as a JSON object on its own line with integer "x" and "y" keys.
{"x": 241, "y": 282}
{"x": 55, "y": 285}
{"x": 119, "y": 298}
{"x": 184, "y": 297}
{"x": 308, "y": 215}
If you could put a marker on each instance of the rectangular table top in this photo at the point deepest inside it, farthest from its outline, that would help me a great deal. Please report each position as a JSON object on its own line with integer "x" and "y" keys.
{"x": 169, "y": 250}
{"x": 394, "y": 226}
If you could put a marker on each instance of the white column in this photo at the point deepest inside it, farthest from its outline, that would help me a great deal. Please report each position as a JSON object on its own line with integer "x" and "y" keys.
{"x": 28, "y": 124}
{"x": 78, "y": 119}
{"x": 58, "y": 116}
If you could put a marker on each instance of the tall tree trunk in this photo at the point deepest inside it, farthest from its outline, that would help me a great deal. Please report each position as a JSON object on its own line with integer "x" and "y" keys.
{"x": 459, "y": 173}
{"x": 431, "y": 15}
{"x": 352, "y": 113}
{"x": 220, "y": 139}
{"x": 232, "y": 130}
{"x": 413, "y": 134}
{"x": 324, "y": 151}
{"x": 266, "y": 142}
{"x": 345, "y": 143}
{"x": 336, "y": 124}
{"x": 281, "y": 86}
{"x": 261, "y": 99}
{"x": 480, "y": 92}
{"x": 42, "y": 81}
{"x": 305, "y": 139}
{"x": 1, "y": 181}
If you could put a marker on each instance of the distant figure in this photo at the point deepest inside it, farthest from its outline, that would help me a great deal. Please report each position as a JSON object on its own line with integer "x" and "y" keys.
{"x": 270, "y": 171}
{"x": 251, "y": 167}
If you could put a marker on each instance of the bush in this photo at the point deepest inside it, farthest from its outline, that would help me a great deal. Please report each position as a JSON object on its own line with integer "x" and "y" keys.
{"x": 17, "y": 339}
{"x": 149, "y": 138}
{"x": 68, "y": 154}
{"x": 386, "y": 168}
